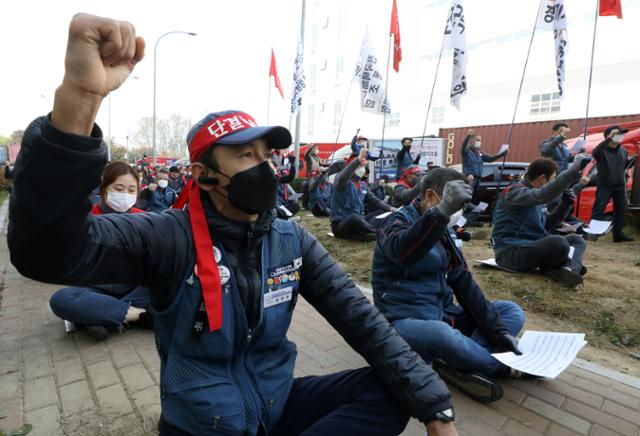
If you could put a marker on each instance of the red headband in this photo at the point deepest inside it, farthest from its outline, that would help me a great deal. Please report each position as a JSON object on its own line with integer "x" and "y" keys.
{"x": 215, "y": 129}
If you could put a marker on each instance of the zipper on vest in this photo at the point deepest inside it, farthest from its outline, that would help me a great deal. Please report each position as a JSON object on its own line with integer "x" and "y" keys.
{"x": 249, "y": 336}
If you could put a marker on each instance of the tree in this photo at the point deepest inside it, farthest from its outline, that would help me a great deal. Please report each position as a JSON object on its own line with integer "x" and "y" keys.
{"x": 16, "y": 136}
{"x": 118, "y": 152}
{"x": 5, "y": 140}
{"x": 171, "y": 135}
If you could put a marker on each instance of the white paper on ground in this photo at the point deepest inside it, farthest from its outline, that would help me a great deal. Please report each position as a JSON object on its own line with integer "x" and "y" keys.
{"x": 481, "y": 207}
{"x": 383, "y": 215}
{"x": 503, "y": 148}
{"x": 492, "y": 263}
{"x": 571, "y": 251}
{"x": 285, "y": 210}
{"x": 461, "y": 221}
{"x": 545, "y": 354}
{"x": 597, "y": 227}
{"x": 295, "y": 197}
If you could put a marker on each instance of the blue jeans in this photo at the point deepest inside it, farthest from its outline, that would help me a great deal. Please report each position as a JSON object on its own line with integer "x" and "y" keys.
{"x": 90, "y": 306}
{"x": 463, "y": 347}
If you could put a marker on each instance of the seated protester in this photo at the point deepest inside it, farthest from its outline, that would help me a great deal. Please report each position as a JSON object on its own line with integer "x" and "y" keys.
{"x": 358, "y": 142}
{"x": 320, "y": 195}
{"x": 372, "y": 209}
{"x": 521, "y": 224}
{"x": 348, "y": 202}
{"x": 221, "y": 322}
{"x": 417, "y": 270}
{"x": 176, "y": 180}
{"x": 101, "y": 309}
{"x": 379, "y": 189}
{"x": 158, "y": 194}
{"x": 286, "y": 206}
{"x": 407, "y": 188}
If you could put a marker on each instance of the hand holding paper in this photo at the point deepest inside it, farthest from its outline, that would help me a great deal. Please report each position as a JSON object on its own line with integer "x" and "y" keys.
{"x": 503, "y": 148}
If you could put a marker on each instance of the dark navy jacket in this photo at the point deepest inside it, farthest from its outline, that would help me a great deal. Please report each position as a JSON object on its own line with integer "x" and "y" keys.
{"x": 417, "y": 270}
{"x": 161, "y": 199}
{"x": 556, "y": 149}
{"x": 520, "y": 216}
{"x": 209, "y": 382}
{"x": 320, "y": 192}
{"x": 473, "y": 160}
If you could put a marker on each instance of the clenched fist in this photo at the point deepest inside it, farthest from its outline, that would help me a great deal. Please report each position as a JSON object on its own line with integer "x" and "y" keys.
{"x": 101, "y": 53}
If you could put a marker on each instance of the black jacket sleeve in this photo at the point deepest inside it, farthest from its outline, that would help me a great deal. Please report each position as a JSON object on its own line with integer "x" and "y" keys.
{"x": 465, "y": 144}
{"x": 404, "y": 243}
{"x": 470, "y": 296}
{"x": 333, "y": 294}
{"x": 492, "y": 157}
{"x": 372, "y": 201}
{"x": 597, "y": 152}
{"x": 343, "y": 178}
{"x": 288, "y": 178}
{"x": 53, "y": 238}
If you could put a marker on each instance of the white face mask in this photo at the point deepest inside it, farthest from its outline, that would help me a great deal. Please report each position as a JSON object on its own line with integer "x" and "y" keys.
{"x": 453, "y": 220}
{"x": 618, "y": 138}
{"x": 477, "y": 144}
{"x": 360, "y": 172}
{"x": 163, "y": 183}
{"x": 120, "y": 201}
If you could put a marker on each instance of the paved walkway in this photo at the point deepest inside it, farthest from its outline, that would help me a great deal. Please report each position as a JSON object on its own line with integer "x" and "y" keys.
{"x": 66, "y": 384}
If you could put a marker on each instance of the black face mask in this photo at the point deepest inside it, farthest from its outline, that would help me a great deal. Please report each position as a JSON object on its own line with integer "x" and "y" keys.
{"x": 254, "y": 190}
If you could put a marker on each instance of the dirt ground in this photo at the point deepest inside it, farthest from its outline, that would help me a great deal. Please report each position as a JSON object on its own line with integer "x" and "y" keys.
{"x": 606, "y": 307}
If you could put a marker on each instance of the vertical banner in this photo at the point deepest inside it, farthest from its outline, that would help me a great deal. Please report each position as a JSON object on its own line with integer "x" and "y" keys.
{"x": 298, "y": 80}
{"x": 552, "y": 17}
{"x": 368, "y": 72}
{"x": 456, "y": 39}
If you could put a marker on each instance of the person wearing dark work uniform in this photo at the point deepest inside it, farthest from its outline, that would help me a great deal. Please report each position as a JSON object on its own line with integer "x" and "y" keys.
{"x": 417, "y": 270}
{"x": 286, "y": 207}
{"x": 612, "y": 163}
{"x": 472, "y": 162}
{"x": 358, "y": 142}
{"x": 379, "y": 189}
{"x": 348, "y": 200}
{"x": 102, "y": 309}
{"x": 403, "y": 157}
{"x": 215, "y": 266}
{"x": 521, "y": 223}
{"x": 555, "y": 148}
{"x": 408, "y": 187}
{"x": 320, "y": 195}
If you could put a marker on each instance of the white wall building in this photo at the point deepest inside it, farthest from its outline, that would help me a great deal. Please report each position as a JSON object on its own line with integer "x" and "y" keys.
{"x": 498, "y": 38}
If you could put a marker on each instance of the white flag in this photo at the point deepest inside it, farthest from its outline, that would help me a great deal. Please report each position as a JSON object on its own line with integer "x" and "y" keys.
{"x": 552, "y": 17}
{"x": 373, "y": 96}
{"x": 298, "y": 81}
{"x": 455, "y": 38}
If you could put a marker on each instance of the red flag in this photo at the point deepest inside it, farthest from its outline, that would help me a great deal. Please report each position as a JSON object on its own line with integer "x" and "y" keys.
{"x": 273, "y": 71}
{"x": 611, "y": 7}
{"x": 395, "y": 31}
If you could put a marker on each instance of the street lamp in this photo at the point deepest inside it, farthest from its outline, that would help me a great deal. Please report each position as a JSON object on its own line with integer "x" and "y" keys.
{"x": 155, "y": 50}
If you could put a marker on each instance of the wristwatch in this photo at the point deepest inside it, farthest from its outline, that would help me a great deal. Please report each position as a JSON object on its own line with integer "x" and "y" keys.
{"x": 446, "y": 415}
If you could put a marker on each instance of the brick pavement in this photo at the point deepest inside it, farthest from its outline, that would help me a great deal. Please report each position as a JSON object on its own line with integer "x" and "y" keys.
{"x": 67, "y": 384}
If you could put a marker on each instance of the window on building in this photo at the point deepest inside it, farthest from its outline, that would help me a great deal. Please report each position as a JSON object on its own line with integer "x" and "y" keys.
{"x": 311, "y": 119}
{"x": 324, "y": 66}
{"x": 542, "y": 104}
{"x": 326, "y": 23}
{"x": 337, "y": 114}
{"x": 437, "y": 115}
{"x": 313, "y": 74}
{"x": 339, "y": 67}
{"x": 393, "y": 120}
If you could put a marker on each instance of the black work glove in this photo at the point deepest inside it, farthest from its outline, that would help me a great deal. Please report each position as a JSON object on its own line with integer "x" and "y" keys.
{"x": 506, "y": 342}
{"x": 569, "y": 195}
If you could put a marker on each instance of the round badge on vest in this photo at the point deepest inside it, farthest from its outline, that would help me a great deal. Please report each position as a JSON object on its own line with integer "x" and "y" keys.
{"x": 225, "y": 274}
{"x": 217, "y": 255}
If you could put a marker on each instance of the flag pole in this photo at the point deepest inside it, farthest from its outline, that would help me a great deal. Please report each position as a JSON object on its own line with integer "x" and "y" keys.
{"x": 433, "y": 87}
{"x": 386, "y": 87}
{"x": 296, "y": 147}
{"x": 515, "y": 108}
{"x": 344, "y": 111}
{"x": 593, "y": 47}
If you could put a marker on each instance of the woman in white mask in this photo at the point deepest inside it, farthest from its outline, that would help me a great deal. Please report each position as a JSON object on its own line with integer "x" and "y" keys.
{"x": 119, "y": 190}
{"x": 102, "y": 309}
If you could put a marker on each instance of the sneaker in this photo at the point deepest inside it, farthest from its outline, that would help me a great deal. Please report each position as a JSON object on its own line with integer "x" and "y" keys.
{"x": 562, "y": 275}
{"x": 583, "y": 270}
{"x": 367, "y": 237}
{"x": 478, "y": 387}
{"x": 622, "y": 237}
{"x": 146, "y": 320}
{"x": 97, "y": 332}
